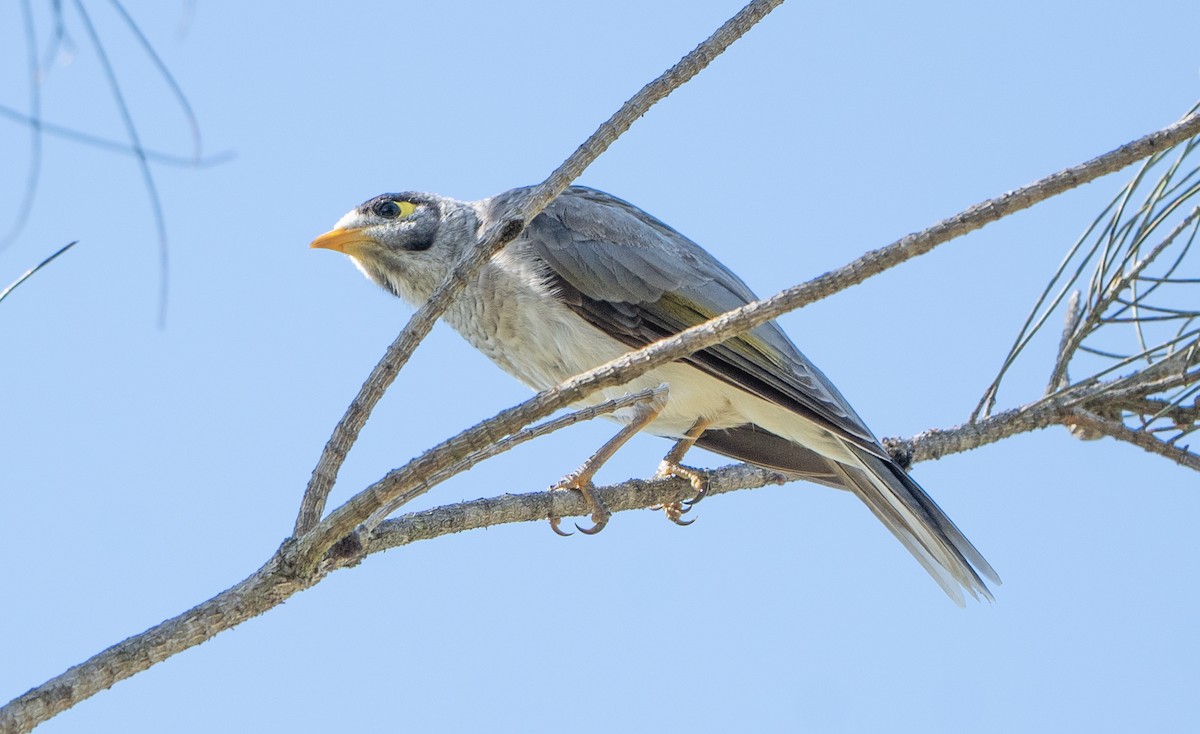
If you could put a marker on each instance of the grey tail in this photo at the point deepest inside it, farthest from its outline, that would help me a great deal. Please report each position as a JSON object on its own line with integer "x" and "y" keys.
{"x": 893, "y": 496}
{"x": 916, "y": 520}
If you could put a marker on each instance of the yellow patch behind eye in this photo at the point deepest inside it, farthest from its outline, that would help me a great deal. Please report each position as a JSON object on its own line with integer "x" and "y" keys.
{"x": 406, "y": 208}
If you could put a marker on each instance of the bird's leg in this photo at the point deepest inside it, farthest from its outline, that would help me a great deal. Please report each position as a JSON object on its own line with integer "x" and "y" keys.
{"x": 581, "y": 478}
{"x": 670, "y": 467}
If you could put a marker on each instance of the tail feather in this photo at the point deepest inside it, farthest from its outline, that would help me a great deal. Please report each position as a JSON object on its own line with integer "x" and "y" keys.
{"x": 916, "y": 520}
{"x": 898, "y": 501}
{"x": 759, "y": 446}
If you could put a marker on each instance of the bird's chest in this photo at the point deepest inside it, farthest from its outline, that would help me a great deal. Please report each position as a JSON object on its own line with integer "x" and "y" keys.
{"x": 542, "y": 342}
{"x": 528, "y": 333}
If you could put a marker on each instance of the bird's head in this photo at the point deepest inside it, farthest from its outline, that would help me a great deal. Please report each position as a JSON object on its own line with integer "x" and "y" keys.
{"x": 405, "y": 242}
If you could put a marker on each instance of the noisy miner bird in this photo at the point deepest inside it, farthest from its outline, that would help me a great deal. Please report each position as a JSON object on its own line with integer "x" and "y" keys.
{"x": 593, "y": 277}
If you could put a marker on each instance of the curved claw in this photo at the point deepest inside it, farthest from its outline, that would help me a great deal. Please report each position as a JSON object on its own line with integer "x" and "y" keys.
{"x": 694, "y": 477}
{"x": 675, "y": 512}
{"x": 554, "y": 521}
{"x": 597, "y": 525}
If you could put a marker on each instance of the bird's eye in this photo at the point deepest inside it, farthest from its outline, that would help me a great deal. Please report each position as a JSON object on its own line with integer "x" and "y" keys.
{"x": 391, "y": 209}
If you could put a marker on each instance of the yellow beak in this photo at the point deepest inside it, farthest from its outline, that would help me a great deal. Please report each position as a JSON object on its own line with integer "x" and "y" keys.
{"x": 348, "y": 241}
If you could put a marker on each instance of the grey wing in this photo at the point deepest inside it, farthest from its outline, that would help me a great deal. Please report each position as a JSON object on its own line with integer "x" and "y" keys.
{"x": 640, "y": 280}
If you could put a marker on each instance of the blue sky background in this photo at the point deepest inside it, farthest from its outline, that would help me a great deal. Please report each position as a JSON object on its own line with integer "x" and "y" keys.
{"x": 144, "y": 469}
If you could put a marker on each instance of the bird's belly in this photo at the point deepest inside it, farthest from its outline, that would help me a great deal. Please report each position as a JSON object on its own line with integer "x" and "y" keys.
{"x": 561, "y": 345}
{"x": 696, "y": 395}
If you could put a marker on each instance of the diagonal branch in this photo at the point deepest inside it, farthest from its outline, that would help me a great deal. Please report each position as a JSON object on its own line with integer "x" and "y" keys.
{"x": 489, "y": 449}
{"x": 324, "y": 475}
{"x": 29, "y": 273}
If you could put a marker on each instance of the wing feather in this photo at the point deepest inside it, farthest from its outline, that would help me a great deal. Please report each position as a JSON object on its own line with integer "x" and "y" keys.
{"x": 639, "y": 280}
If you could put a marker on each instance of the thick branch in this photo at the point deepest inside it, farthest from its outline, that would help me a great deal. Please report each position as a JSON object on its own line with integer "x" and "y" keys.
{"x": 259, "y": 592}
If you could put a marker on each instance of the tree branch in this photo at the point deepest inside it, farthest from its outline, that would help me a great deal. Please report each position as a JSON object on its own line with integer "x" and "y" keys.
{"x": 95, "y": 141}
{"x": 271, "y": 585}
{"x": 454, "y": 466}
{"x": 324, "y": 475}
{"x": 1142, "y": 439}
{"x": 29, "y": 273}
{"x": 636, "y": 494}
{"x": 262, "y": 590}
{"x": 632, "y": 494}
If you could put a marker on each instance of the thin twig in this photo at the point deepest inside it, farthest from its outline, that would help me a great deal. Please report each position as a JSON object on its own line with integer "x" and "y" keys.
{"x": 160, "y": 221}
{"x": 1142, "y": 439}
{"x": 35, "y": 130}
{"x": 166, "y": 75}
{"x": 28, "y": 273}
{"x": 1116, "y": 240}
{"x": 1111, "y": 295}
{"x": 95, "y": 141}
{"x": 1059, "y": 379}
{"x": 59, "y": 39}
{"x": 1182, "y": 340}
